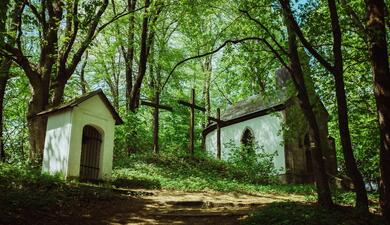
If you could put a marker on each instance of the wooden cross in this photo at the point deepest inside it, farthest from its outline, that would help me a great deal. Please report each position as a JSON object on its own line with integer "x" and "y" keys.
{"x": 192, "y": 106}
{"x": 156, "y": 105}
{"x": 219, "y": 126}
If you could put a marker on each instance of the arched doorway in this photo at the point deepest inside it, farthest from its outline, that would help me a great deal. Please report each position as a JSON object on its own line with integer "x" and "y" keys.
{"x": 90, "y": 153}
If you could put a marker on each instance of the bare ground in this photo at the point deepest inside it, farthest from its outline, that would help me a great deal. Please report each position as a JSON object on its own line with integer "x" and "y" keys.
{"x": 165, "y": 207}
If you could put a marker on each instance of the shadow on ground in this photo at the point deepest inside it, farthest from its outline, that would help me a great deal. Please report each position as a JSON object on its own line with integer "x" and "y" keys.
{"x": 298, "y": 213}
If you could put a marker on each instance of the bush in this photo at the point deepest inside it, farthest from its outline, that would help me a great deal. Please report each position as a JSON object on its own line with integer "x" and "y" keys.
{"x": 252, "y": 162}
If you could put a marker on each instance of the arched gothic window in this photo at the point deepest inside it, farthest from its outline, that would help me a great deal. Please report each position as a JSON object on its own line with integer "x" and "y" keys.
{"x": 247, "y": 138}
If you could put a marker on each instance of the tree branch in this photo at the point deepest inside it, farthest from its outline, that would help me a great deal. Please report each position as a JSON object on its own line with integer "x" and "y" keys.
{"x": 286, "y": 6}
{"x": 124, "y": 13}
{"x": 209, "y": 53}
{"x": 355, "y": 19}
{"x": 84, "y": 45}
{"x": 71, "y": 36}
{"x": 23, "y": 62}
{"x": 92, "y": 35}
{"x": 266, "y": 30}
{"x": 34, "y": 11}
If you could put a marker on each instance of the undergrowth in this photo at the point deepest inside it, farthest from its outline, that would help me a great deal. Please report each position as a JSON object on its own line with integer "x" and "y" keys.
{"x": 169, "y": 171}
{"x": 298, "y": 213}
{"x": 26, "y": 193}
{"x": 202, "y": 173}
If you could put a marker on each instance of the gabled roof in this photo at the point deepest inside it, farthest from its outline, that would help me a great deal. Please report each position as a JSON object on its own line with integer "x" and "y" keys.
{"x": 252, "y": 107}
{"x": 256, "y": 103}
{"x": 80, "y": 100}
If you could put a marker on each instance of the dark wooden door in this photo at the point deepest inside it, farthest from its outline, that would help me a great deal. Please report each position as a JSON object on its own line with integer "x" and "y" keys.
{"x": 90, "y": 154}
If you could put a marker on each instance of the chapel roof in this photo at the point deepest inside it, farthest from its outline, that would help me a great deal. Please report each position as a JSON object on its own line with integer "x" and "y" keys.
{"x": 256, "y": 103}
{"x": 76, "y": 101}
{"x": 253, "y": 107}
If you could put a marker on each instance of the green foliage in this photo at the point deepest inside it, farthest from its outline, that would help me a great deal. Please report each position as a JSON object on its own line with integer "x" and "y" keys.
{"x": 170, "y": 171}
{"x": 15, "y": 110}
{"x": 25, "y": 192}
{"x": 184, "y": 29}
{"x": 252, "y": 162}
{"x": 134, "y": 135}
{"x": 294, "y": 213}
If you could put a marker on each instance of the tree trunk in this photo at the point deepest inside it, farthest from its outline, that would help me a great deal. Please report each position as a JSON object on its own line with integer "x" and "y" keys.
{"x": 83, "y": 83}
{"x": 130, "y": 53}
{"x": 58, "y": 94}
{"x": 322, "y": 184}
{"x": 135, "y": 92}
{"x": 342, "y": 109}
{"x": 4, "y": 73}
{"x": 4, "y": 76}
{"x": 380, "y": 68}
{"x": 37, "y": 124}
{"x": 207, "y": 70}
{"x": 156, "y": 147}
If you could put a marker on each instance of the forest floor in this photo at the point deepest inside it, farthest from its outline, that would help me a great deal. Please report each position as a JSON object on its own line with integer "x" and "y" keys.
{"x": 168, "y": 190}
{"x": 166, "y": 207}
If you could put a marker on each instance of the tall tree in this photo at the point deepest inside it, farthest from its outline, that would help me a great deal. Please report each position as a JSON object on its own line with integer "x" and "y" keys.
{"x": 65, "y": 35}
{"x": 380, "y": 68}
{"x": 6, "y": 36}
{"x": 4, "y": 71}
{"x": 143, "y": 58}
{"x": 128, "y": 52}
{"x": 322, "y": 182}
{"x": 337, "y": 70}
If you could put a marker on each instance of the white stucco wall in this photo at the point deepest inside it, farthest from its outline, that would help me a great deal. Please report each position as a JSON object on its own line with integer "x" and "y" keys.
{"x": 69, "y": 133}
{"x": 267, "y": 132}
{"x": 57, "y": 143}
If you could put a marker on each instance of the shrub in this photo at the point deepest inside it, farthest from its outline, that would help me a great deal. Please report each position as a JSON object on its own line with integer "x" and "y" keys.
{"x": 252, "y": 162}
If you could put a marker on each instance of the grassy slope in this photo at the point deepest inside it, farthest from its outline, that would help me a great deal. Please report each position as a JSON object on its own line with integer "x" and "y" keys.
{"x": 198, "y": 174}
{"x": 26, "y": 193}
{"x": 203, "y": 174}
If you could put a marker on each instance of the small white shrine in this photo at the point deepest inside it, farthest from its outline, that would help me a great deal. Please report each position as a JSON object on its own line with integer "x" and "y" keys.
{"x": 80, "y": 138}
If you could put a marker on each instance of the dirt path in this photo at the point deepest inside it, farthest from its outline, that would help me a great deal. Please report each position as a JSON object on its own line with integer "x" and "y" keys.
{"x": 167, "y": 207}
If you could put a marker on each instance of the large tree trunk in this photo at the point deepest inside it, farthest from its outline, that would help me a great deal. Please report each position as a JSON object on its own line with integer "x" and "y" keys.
{"x": 129, "y": 56}
{"x": 323, "y": 189}
{"x": 342, "y": 109}
{"x": 337, "y": 71}
{"x": 380, "y": 68}
{"x": 37, "y": 124}
{"x": 58, "y": 94}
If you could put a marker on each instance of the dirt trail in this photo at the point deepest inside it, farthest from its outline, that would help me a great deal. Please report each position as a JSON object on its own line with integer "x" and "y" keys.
{"x": 167, "y": 207}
